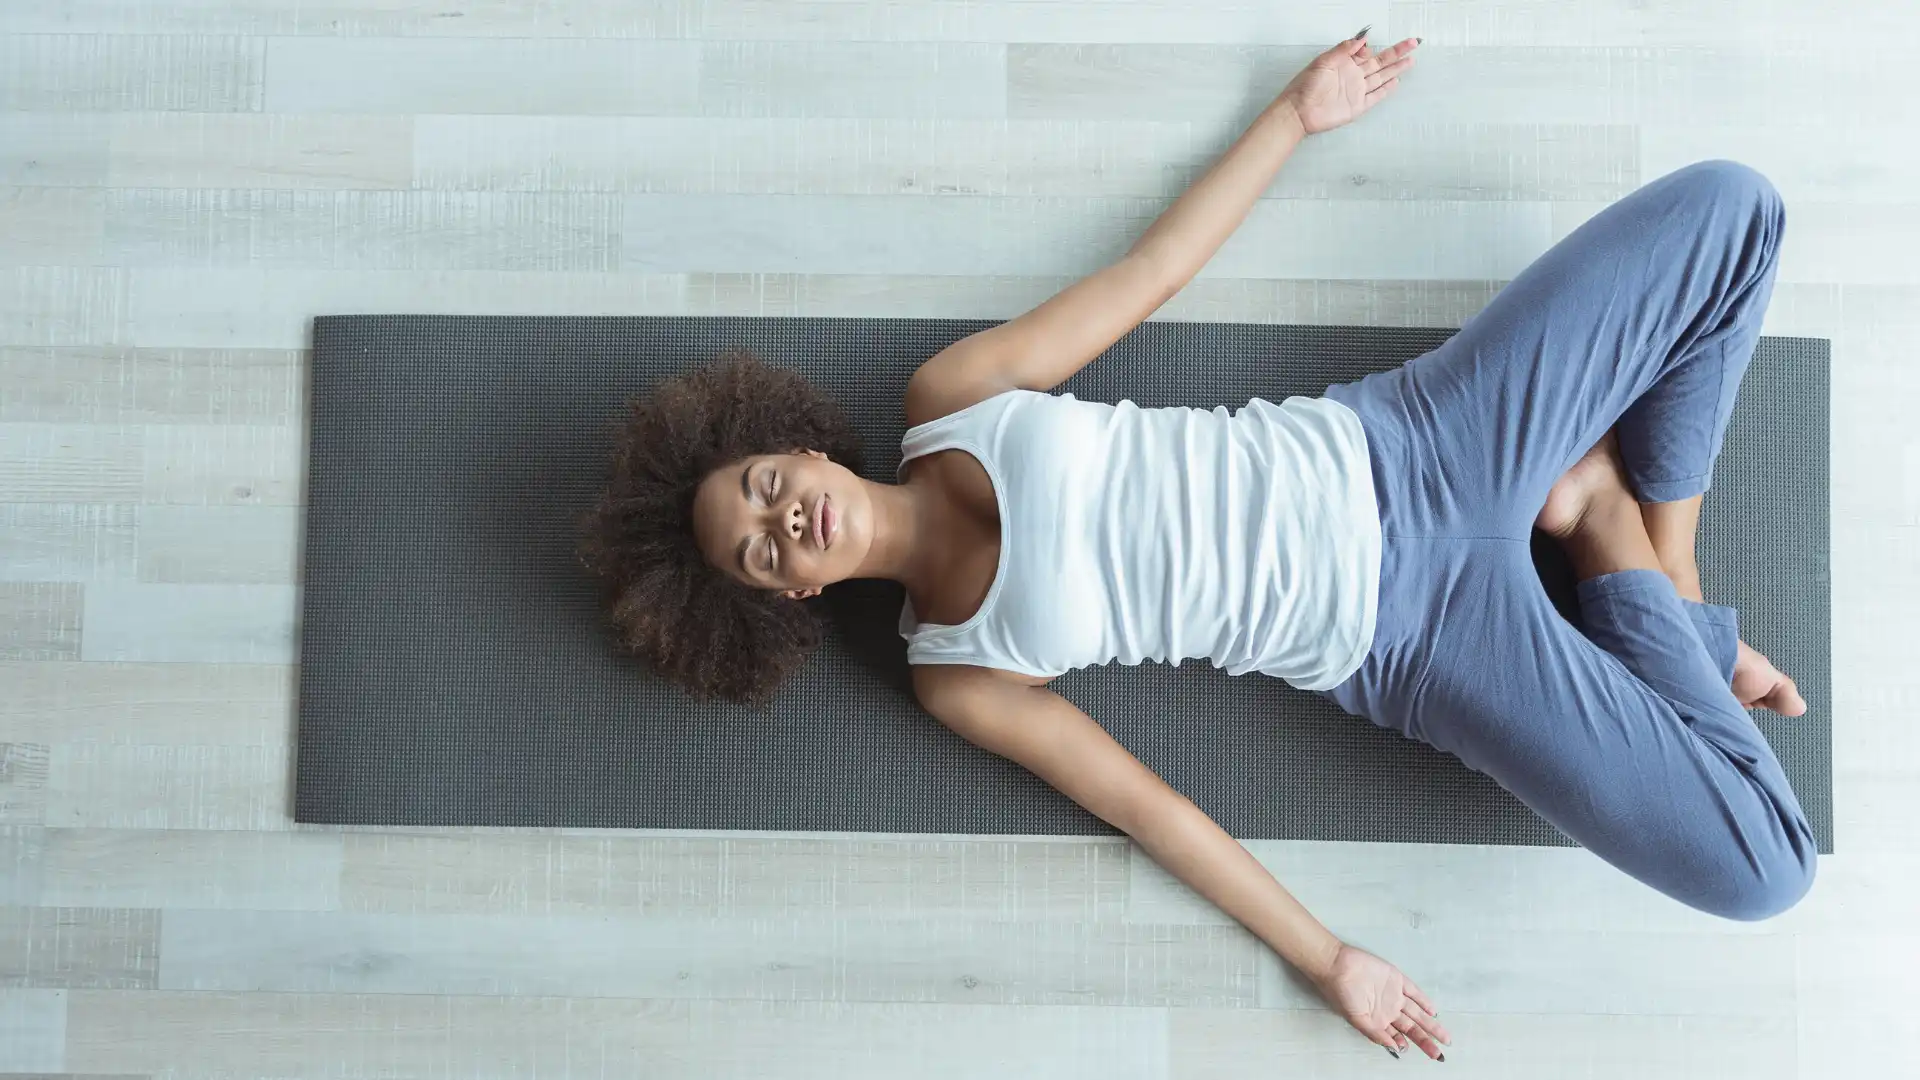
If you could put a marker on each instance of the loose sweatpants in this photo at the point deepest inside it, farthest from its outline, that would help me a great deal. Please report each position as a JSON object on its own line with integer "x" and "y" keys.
{"x": 1626, "y": 737}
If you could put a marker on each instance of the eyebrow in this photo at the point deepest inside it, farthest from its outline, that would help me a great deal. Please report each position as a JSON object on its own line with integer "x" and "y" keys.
{"x": 746, "y": 492}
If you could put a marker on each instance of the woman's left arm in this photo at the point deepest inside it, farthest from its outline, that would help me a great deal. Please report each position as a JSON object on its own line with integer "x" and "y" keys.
{"x": 1041, "y": 349}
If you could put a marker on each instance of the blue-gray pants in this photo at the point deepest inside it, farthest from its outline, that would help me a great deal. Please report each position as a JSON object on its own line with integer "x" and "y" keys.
{"x": 1626, "y": 738}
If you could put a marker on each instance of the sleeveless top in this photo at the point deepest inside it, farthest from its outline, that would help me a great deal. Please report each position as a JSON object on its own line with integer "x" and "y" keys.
{"x": 1251, "y": 539}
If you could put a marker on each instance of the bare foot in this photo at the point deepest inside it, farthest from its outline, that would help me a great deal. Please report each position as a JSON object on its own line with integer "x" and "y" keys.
{"x": 1756, "y": 682}
{"x": 1597, "y": 475}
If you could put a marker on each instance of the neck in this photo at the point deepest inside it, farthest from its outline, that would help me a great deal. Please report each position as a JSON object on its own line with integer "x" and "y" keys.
{"x": 906, "y": 521}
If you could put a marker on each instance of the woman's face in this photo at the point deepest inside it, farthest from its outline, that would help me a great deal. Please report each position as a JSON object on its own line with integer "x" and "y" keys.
{"x": 791, "y": 523}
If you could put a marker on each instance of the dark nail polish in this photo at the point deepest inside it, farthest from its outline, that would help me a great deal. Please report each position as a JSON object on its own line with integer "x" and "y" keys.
{"x": 1395, "y": 1054}
{"x": 1419, "y": 41}
{"x": 1443, "y": 1059}
{"x": 1361, "y": 36}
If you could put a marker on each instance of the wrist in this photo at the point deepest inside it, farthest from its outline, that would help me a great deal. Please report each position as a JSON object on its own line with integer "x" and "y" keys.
{"x": 1283, "y": 114}
{"x": 1317, "y": 961}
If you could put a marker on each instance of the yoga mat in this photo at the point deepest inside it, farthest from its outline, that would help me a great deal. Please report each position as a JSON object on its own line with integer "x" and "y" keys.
{"x": 456, "y": 668}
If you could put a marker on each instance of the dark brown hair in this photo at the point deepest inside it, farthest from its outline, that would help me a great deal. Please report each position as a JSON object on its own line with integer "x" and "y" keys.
{"x": 697, "y": 627}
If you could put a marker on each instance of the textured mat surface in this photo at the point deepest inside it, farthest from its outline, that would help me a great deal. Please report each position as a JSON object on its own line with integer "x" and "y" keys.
{"x": 456, "y": 669}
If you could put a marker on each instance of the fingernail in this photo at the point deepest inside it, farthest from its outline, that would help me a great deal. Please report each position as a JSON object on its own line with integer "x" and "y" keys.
{"x": 1419, "y": 41}
{"x": 1395, "y": 1054}
{"x": 1443, "y": 1059}
{"x": 1363, "y": 32}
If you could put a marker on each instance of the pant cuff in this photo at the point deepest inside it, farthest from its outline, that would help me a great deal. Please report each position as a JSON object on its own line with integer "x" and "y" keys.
{"x": 1719, "y": 629}
{"x": 1660, "y": 491}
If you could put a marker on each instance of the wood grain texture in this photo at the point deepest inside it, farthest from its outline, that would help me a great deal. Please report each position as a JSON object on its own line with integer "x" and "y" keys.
{"x": 938, "y": 81}
{"x": 158, "y": 868}
{"x": 1220, "y": 1044}
{"x": 444, "y": 75}
{"x": 240, "y": 150}
{"x": 330, "y": 1035}
{"x": 955, "y": 961}
{"x": 93, "y": 702}
{"x": 72, "y": 948}
{"x": 133, "y": 786}
{"x": 119, "y": 385}
{"x": 1309, "y": 22}
{"x": 109, "y": 73}
{"x": 219, "y": 545}
{"x": 66, "y": 542}
{"x": 1074, "y": 881}
{"x": 39, "y": 621}
{"x": 1121, "y": 157}
{"x": 223, "y": 465}
{"x": 1768, "y": 26}
{"x": 53, "y": 148}
{"x": 21, "y": 849}
{"x": 201, "y": 624}
{"x": 63, "y": 305}
{"x": 23, "y": 784}
{"x": 228, "y": 308}
{"x": 52, "y": 226}
{"x": 64, "y": 463}
{"x": 1065, "y": 237}
{"x": 33, "y": 1030}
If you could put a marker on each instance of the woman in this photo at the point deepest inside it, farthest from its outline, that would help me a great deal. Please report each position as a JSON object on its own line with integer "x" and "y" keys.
{"x": 1372, "y": 545}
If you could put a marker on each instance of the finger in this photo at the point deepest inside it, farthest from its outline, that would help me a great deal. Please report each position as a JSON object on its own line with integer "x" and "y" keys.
{"x": 1428, "y": 1025}
{"x": 1426, "y": 1044}
{"x": 1382, "y": 92}
{"x": 1391, "y": 53}
{"x": 1358, "y": 41}
{"x": 1390, "y": 72}
{"x": 1421, "y": 999}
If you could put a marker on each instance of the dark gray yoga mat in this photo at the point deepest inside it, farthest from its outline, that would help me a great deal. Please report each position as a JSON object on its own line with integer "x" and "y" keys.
{"x": 456, "y": 670}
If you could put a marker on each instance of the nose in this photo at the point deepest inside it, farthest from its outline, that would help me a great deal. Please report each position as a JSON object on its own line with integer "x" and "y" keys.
{"x": 796, "y": 520}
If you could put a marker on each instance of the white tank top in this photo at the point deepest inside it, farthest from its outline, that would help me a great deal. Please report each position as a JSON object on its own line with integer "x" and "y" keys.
{"x": 1250, "y": 539}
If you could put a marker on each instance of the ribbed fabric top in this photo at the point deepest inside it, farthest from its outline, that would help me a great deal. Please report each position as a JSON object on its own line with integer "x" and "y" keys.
{"x": 1249, "y": 538}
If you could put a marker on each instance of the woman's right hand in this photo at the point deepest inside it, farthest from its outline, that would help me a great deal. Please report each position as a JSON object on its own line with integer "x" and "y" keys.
{"x": 1381, "y": 1003}
{"x": 1345, "y": 81}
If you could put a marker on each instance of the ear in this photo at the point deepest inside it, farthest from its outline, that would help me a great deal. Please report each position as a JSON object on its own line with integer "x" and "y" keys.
{"x": 802, "y": 594}
{"x": 811, "y": 454}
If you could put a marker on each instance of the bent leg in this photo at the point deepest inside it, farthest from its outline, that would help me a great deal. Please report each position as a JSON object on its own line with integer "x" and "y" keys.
{"x": 1643, "y": 317}
{"x": 1636, "y": 750}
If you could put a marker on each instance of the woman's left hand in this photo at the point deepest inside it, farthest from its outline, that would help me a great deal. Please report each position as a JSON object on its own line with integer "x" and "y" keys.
{"x": 1345, "y": 81}
{"x": 1381, "y": 1003}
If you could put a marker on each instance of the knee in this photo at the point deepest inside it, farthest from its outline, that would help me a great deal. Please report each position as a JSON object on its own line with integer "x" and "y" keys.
{"x": 1762, "y": 889}
{"x": 1730, "y": 183}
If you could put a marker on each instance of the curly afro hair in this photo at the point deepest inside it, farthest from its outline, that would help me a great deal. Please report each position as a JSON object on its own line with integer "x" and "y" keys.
{"x": 699, "y": 628}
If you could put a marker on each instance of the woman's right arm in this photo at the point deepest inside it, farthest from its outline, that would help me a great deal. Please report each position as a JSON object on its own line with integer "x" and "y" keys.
{"x": 1053, "y": 739}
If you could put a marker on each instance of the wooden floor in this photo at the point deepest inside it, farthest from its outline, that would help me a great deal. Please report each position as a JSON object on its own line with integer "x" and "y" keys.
{"x": 184, "y": 184}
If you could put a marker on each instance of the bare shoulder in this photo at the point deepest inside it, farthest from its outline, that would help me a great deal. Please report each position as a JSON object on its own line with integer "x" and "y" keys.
{"x": 959, "y": 376}
{"x": 961, "y": 695}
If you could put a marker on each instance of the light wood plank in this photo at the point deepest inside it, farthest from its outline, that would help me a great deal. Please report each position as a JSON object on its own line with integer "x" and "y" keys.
{"x": 332, "y": 1035}
{"x": 908, "y": 79}
{"x": 52, "y": 226}
{"x": 1518, "y": 85}
{"x": 33, "y": 1030}
{"x": 98, "y": 72}
{"x": 190, "y": 869}
{"x": 53, "y": 149}
{"x": 63, "y": 463}
{"x": 1852, "y": 1021}
{"x": 39, "y": 621}
{"x": 21, "y": 850}
{"x": 66, "y": 542}
{"x": 427, "y": 75}
{"x": 63, "y": 305}
{"x": 224, "y": 465}
{"x": 115, "y": 384}
{"x": 220, "y": 545}
{"x": 1218, "y": 1044}
{"x": 23, "y": 784}
{"x": 1310, "y": 22}
{"x": 203, "y": 624}
{"x": 1149, "y": 159}
{"x": 195, "y": 704}
{"x": 372, "y": 230}
{"x": 912, "y": 235}
{"x": 1767, "y": 26}
{"x": 124, "y": 786}
{"x": 1044, "y": 963}
{"x": 239, "y": 150}
{"x": 1810, "y": 163}
{"x": 235, "y": 307}
{"x": 72, "y": 948}
{"x": 626, "y": 875}
{"x": 1603, "y": 971}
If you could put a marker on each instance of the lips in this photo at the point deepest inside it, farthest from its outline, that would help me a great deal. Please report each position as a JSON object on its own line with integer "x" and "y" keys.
{"x": 826, "y": 521}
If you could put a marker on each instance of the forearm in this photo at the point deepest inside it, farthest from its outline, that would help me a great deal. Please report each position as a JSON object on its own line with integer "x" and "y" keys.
{"x": 1192, "y": 848}
{"x": 1188, "y": 233}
